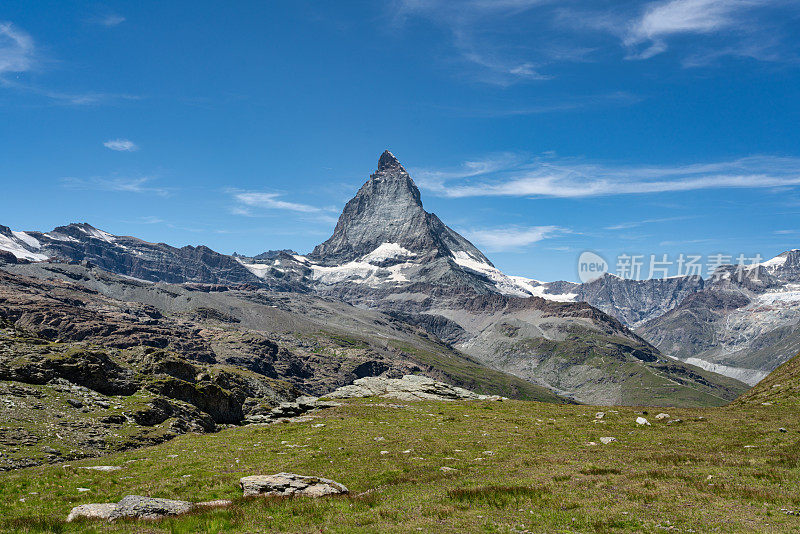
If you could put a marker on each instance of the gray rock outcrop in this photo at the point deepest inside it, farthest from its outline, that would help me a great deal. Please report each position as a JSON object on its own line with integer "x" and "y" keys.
{"x": 131, "y": 506}
{"x": 410, "y": 387}
{"x": 289, "y": 484}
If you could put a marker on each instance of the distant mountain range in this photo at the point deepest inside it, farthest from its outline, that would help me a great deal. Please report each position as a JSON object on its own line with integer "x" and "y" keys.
{"x": 608, "y": 341}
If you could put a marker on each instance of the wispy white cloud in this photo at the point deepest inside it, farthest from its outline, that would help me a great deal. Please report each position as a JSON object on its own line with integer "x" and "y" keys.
{"x": 637, "y": 224}
{"x": 506, "y": 42}
{"x": 474, "y": 27}
{"x": 435, "y": 178}
{"x": 18, "y": 54}
{"x": 664, "y": 19}
{"x": 116, "y": 184}
{"x": 551, "y": 105}
{"x": 270, "y": 201}
{"x": 110, "y": 20}
{"x": 548, "y": 177}
{"x": 68, "y": 98}
{"x": 16, "y": 49}
{"x": 512, "y": 237}
{"x": 121, "y": 145}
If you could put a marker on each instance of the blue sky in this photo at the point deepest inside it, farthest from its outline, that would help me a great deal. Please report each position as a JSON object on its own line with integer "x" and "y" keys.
{"x": 538, "y": 129}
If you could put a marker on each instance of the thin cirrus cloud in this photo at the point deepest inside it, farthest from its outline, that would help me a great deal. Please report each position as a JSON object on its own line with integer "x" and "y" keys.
{"x": 505, "y": 42}
{"x": 548, "y": 177}
{"x": 250, "y": 201}
{"x": 637, "y": 224}
{"x": 109, "y": 21}
{"x": 18, "y": 54}
{"x": 662, "y": 20}
{"x": 475, "y": 29}
{"x": 121, "y": 145}
{"x": 512, "y": 237}
{"x": 139, "y": 185}
{"x": 16, "y": 49}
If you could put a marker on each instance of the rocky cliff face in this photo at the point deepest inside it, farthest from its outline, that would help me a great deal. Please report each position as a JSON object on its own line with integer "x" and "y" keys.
{"x": 742, "y": 324}
{"x": 636, "y": 301}
{"x": 386, "y": 215}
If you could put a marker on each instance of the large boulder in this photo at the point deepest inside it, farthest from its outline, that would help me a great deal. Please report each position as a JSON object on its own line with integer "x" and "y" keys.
{"x": 140, "y": 507}
{"x": 288, "y": 484}
{"x": 131, "y": 506}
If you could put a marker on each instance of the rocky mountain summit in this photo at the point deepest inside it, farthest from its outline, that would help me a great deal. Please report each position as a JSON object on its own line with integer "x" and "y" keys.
{"x": 386, "y": 219}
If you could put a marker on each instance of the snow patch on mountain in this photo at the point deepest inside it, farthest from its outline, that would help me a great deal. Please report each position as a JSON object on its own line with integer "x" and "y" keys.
{"x": 516, "y": 286}
{"x": 27, "y": 239}
{"x": 17, "y": 248}
{"x": 789, "y": 295}
{"x": 539, "y": 291}
{"x": 258, "y": 269}
{"x": 56, "y": 236}
{"x": 98, "y": 234}
{"x": 750, "y": 377}
{"x": 387, "y": 251}
{"x": 354, "y": 271}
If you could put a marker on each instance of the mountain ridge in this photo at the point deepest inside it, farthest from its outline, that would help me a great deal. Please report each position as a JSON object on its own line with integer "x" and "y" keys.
{"x": 387, "y": 253}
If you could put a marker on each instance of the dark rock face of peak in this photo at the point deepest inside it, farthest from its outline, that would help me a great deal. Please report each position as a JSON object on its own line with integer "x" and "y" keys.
{"x": 388, "y": 161}
{"x": 636, "y": 301}
{"x": 388, "y": 210}
{"x": 790, "y": 270}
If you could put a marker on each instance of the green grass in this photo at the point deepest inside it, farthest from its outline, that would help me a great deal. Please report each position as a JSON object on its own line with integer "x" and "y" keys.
{"x": 518, "y": 466}
{"x": 780, "y": 388}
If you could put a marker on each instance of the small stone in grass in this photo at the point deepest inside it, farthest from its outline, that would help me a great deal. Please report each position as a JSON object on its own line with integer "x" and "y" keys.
{"x": 607, "y": 439}
{"x": 641, "y": 421}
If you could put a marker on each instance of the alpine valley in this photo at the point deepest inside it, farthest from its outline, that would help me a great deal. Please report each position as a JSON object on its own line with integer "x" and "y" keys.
{"x": 188, "y": 339}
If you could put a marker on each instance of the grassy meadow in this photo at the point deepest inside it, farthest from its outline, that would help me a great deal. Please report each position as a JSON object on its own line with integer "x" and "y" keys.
{"x": 510, "y": 466}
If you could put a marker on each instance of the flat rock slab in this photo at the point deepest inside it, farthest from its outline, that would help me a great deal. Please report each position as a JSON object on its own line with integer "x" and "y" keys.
{"x": 136, "y": 507}
{"x": 287, "y": 484}
{"x": 408, "y": 388}
{"x": 150, "y": 508}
